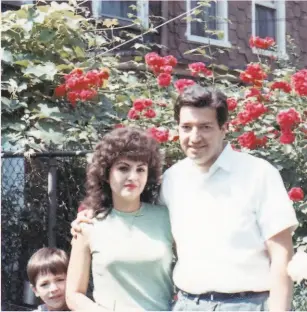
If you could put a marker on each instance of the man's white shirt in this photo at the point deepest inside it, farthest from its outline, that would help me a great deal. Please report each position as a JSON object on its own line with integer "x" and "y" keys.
{"x": 221, "y": 219}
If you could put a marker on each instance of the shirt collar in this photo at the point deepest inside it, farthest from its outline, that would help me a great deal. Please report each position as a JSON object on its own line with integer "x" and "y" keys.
{"x": 224, "y": 160}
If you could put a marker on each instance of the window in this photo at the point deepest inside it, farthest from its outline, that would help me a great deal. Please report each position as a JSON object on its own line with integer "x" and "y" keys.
{"x": 269, "y": 21}
{"x": 120, "y": 9}
{"x": 210, "y": 19}
{"x": 7, "y": 5}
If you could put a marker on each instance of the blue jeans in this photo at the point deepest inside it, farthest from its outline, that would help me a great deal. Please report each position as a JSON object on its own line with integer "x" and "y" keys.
{"x": 254, "y": 302}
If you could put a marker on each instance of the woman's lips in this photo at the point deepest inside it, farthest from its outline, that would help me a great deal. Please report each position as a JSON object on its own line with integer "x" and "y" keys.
{"x": 130, "y": 186}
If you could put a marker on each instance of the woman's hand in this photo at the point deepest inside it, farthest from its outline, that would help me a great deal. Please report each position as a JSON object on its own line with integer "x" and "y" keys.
{"x": 86, "y": 216}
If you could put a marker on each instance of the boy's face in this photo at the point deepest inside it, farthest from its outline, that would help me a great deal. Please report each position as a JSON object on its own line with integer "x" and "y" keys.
{"x": 51, "y": 289}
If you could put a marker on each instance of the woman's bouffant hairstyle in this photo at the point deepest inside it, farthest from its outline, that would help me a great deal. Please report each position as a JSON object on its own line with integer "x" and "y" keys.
{"x": 47, "y": 260}
{"x": 130, "y": 143}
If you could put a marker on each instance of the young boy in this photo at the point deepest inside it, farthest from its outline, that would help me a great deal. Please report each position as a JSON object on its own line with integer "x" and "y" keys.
{"x": 47, "y": 270}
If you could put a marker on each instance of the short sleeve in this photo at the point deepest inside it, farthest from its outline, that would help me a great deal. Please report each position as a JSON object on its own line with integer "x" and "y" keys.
{"x": 275, "y": 210}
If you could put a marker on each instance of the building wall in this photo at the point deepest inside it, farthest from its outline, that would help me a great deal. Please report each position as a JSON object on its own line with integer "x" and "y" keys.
{"x": 239, "y": 32}
{"x": 296, "y": 27}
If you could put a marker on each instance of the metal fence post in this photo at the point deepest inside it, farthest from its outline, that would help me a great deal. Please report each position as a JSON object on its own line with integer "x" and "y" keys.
{"x": 52, "y": 196}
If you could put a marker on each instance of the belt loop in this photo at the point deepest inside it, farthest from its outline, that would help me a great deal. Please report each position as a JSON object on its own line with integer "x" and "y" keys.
{"x": 211, "y": 297}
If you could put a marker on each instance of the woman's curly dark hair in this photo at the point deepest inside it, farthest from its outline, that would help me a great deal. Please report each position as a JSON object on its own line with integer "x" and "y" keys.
{"x": 130, "y": 143}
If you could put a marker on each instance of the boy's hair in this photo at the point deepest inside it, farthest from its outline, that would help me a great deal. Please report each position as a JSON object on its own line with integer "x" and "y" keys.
{"x": 47, "y": 260}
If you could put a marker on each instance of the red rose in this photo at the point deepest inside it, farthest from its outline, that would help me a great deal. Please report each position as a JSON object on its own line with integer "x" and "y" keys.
{"x": 261, "y": 141}
{"x": 76, "y": 72}
{"x": 166, "y": 69}
{"x": 261, "y": 43}
{"x": 281, "y": 85}
{"x": 181, "y": 84}
{"x": 104, "y": 73}
{"x": 253, "y": 74}
{"x": 288, "y": 118}
{"x": 243, "y": 118}
{"x": 93, "y": 79}
{"x": 164, "y": 80}
{"x": 87, "y": 94}
{"x": 248, "y": 140}
{"x": 170, "y": 60}
{"x": 232, "y": 104}
{"x": 296, "y": 194}
{"x": 175, "y": 138}
{"x": 150, "y": 113}
{"x": 72, "y": 97}
{"x": 60, "y": 90}
{"x": 299, "y": 81}
{"x": 159, "y": 134}
{"x": 252, "y": 111}
{"x": 153, "y": 59}
{"x": 133, "y": 114}
{"x": 138, "y": 105}
{"x": 199, "y": 67}
{"x": 255, "y": 109}
{"x": 287, "y": 137}
{"x": 147, "y": 102}
{"x": 253, "y": 92}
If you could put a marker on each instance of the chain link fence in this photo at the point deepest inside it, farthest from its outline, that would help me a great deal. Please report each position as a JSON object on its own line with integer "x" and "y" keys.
{"x": 40, "y": 196}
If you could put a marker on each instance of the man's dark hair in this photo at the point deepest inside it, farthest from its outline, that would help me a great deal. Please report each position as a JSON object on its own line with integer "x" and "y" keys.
{"x": 197, "y": 96}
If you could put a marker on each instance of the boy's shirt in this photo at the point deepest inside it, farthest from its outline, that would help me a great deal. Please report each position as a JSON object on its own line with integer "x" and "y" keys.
{"x": 41, "y": 307}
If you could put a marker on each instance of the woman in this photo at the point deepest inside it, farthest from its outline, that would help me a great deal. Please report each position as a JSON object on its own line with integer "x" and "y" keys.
{"x": 129, "y": 243}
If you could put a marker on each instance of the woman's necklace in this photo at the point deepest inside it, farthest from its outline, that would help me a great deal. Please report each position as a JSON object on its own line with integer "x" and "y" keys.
{"x": 132, "y": 222}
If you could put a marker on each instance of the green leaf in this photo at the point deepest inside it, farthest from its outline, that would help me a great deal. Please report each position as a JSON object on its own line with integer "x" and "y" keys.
{"x": 141, "y": 46}
{"x": 27, "y": 26}
{"x": 64, "y": 66}
{"x": 110, "y": 22}
{"x": 6, "y": 56}
{"x": 222, "y": 67}
{"x": 23, "y": 63}
{"x": 11, "y": 104}
{"x": 17, "y": 126}
{"x": 5, "y": 101}
{"x": 79, "y": 52}
{"x": 138, "y": 58}
{"x": 22, "y": 87}
{"x": 46, "y": 111}
{"x": 46, "y": 134}
{"x": 46, "y": 71}
{"x": 46, "y": 35}
{"x": 13, "y": 87}
{"x": 61, "y": 7}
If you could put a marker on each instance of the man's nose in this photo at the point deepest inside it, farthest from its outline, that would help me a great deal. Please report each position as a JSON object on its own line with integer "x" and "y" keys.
{"x": 195, "y": 136}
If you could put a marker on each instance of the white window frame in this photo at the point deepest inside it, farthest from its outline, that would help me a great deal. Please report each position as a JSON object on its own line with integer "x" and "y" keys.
{"x": 280, "y": 7}
{"x": 222, "y": 11}
{"x": 142, "y": 12}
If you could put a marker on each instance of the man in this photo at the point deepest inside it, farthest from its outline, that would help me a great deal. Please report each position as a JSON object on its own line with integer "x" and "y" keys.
{"x": 230, "y": 214}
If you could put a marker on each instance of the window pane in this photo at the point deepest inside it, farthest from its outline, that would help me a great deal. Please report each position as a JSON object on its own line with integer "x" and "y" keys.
{"x": 208, "y": 18}
{"x": 265, "y": 22}
{"x": 114, "y": 8}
